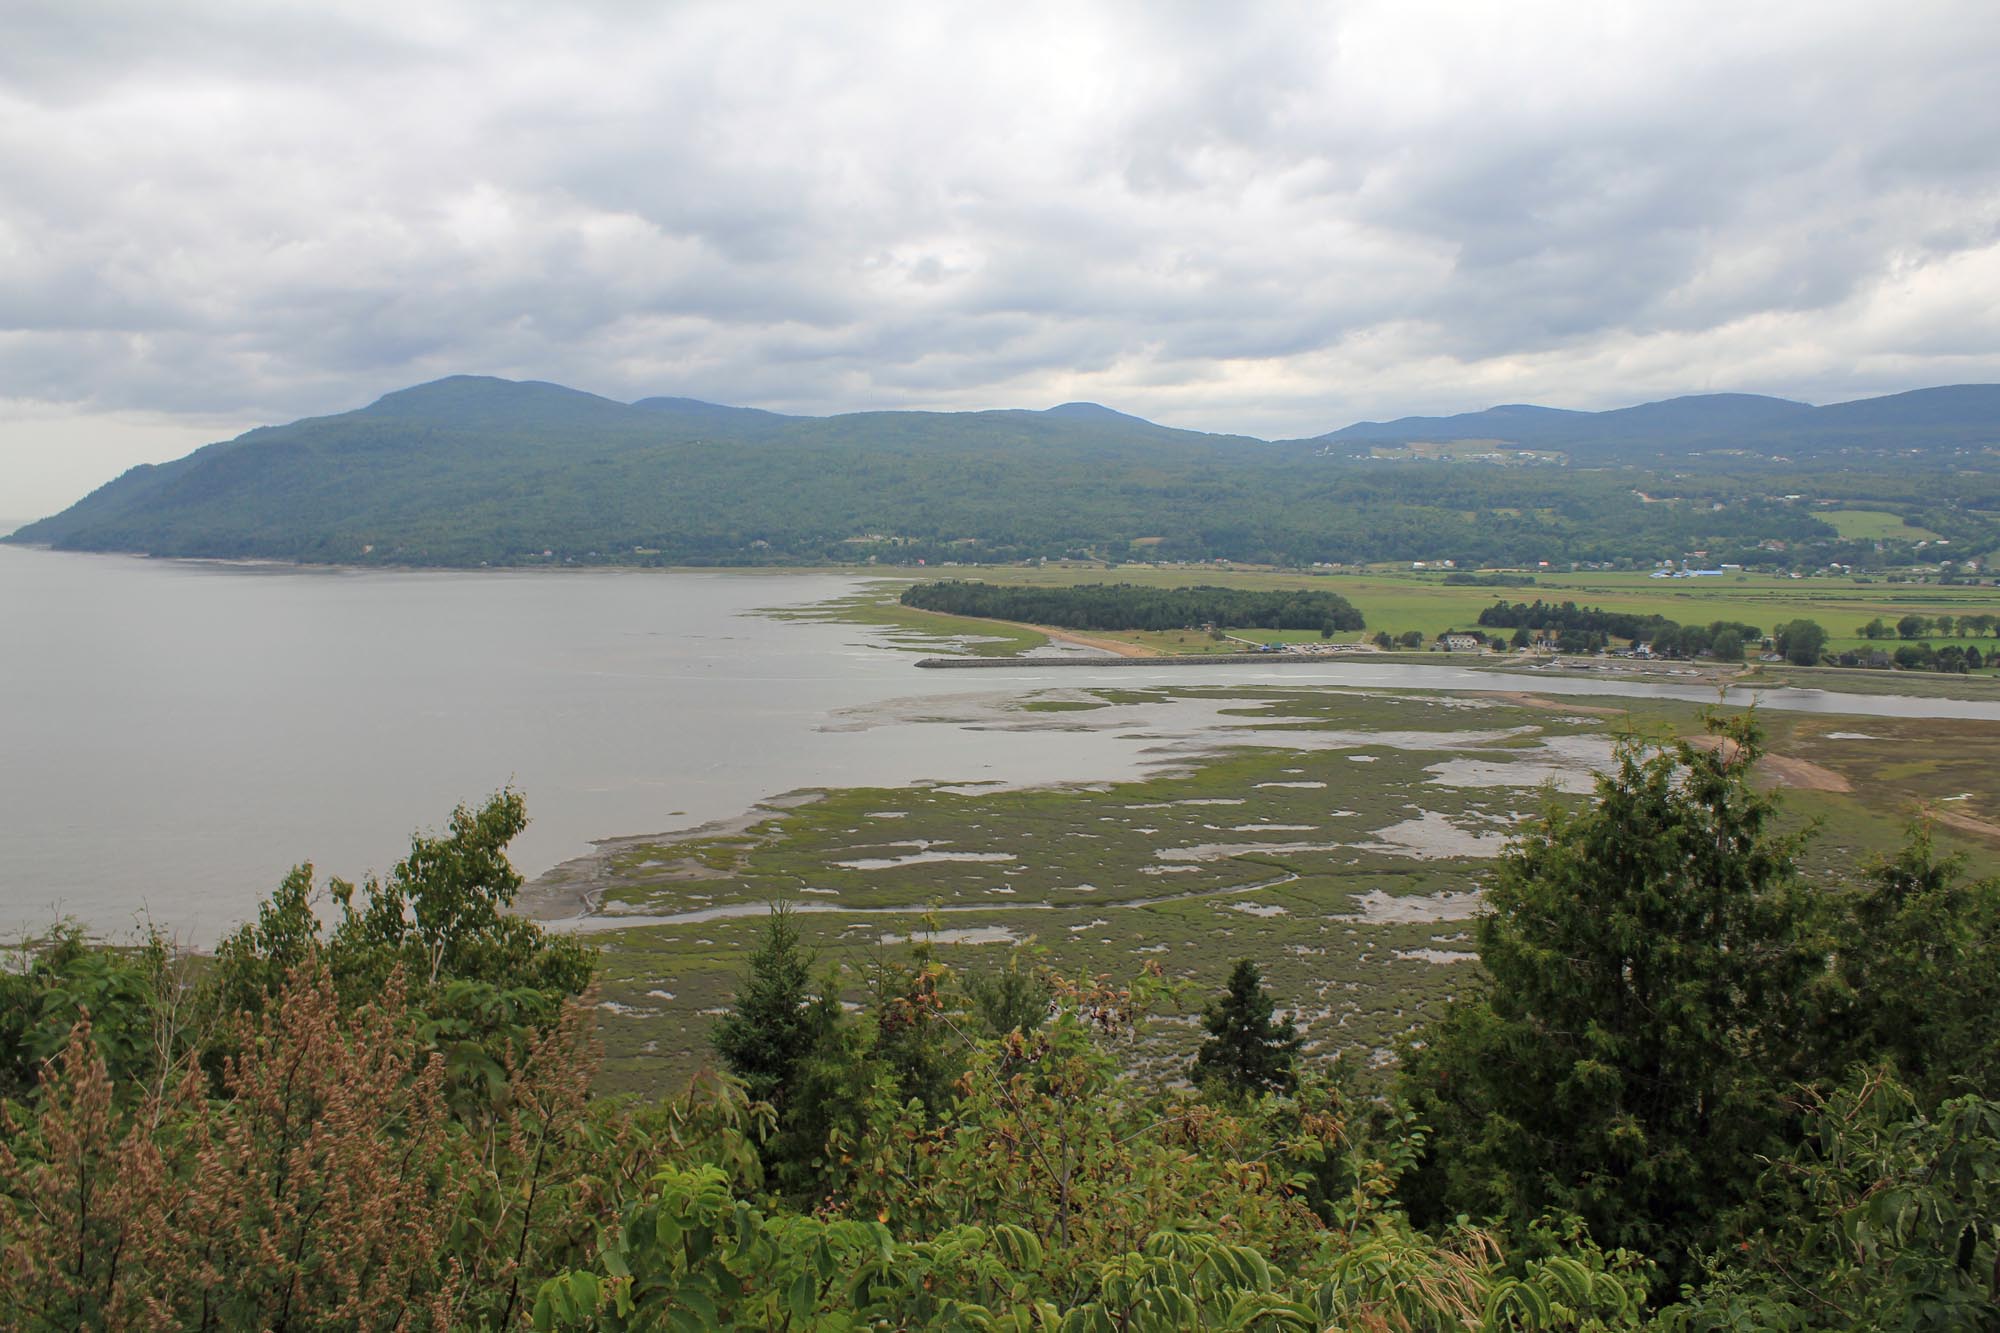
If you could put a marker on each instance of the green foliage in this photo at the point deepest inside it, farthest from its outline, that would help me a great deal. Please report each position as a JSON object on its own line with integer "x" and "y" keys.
{"x": 1586, "y": 628}
{"x": 1650, "y": 963}
{"x": 1249, "y": 1051}
{"x": 831, "y": 1106}
{"x": 920, "y": 1029}
{"x": 1885, "y": 1219}
{"x": 439, "y": 918}
{"x": 1552, "y": 619}
{"x": 1118, "y": 606}
{"x": 1058, "y": 1198}
{"x": 269, "y": 1142}
{"x": 1011, "y": 998}
{"x": 794, "y": 1051}
{"x": 127, "y": 998}
{"x": 1918, "y": 963}
{"x": 253, "y": 963}
{"x": 442, "y": 913}
{"x": 481, "y": 981}
{"x": 775, "y": 1021}
{"x": 1801, "y": 641}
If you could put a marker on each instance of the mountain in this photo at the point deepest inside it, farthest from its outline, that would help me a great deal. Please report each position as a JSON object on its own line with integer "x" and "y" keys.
{"x": 1095, "y": 412}
{"x": 485, "y": 402}
{"x": 1518, "y": 422}
{"x": 1923, "y": 419}
{"x": 715, "y": 416}
{"x": 1958, "y": 410}
{"x": 473, "y": 470}
{"x": 1696, "y": 416}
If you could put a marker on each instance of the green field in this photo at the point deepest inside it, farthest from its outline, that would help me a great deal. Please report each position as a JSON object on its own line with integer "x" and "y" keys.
{"x": 1873, "y": 525}
{"x": 1397, "y": 600}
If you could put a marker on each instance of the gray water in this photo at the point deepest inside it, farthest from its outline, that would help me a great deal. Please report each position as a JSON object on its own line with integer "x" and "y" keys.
{"x": 175, "y": 736}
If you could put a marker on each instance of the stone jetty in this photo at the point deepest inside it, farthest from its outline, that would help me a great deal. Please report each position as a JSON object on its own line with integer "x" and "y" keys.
{"x": 1177, "y": 659}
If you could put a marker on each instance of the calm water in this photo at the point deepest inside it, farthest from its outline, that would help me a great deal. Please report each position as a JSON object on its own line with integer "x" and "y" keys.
{"x": 173, "y": 736}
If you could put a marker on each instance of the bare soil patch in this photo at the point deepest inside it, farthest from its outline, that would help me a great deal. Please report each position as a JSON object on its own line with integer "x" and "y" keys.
{"x": 1107, "y": 645}
{"x": 1786, "y": 770}
{"x": 1984, "y": 828}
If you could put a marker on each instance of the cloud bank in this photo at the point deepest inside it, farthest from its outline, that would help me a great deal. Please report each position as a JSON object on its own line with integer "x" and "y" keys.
{"x": 1275, "y": 218}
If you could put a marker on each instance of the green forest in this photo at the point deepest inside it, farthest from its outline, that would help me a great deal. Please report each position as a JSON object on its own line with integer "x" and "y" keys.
{"x": 1686, "y": 1092}
{"x": 1128, "y": 606}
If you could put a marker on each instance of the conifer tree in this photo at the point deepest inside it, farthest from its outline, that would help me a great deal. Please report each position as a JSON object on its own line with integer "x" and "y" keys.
{"x": 1248, "y": 1051}
{"x": 775, "y": 1023}
{"x": 1650, "y": 965}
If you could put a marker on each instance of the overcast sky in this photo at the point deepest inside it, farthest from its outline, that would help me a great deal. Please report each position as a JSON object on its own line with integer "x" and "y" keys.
{"x": 1264, "y": 217}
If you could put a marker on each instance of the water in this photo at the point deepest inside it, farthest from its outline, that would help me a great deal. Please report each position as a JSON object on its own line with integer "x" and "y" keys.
{"x": 174, "y": 736}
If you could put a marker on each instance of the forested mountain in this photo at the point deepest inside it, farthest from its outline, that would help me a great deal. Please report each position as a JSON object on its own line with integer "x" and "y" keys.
{"x": 1924, "y": 420}
{"x": 1526, "y": 424}
{"x": 471, "y": 470}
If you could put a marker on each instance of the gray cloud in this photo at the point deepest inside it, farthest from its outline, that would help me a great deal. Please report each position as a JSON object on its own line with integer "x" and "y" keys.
{"x": 1275, "y": 218}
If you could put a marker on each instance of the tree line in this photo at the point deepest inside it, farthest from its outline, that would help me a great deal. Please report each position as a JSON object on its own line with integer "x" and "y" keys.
{"x": 1573, "y": 628}
{"x": 1120, "y": 606}
{"x": 1944, "y": 626}
{"x": 1686, "y": 1090}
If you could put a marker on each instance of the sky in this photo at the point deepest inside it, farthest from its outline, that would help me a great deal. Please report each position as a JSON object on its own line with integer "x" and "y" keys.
{"x": 1267, "y": 218}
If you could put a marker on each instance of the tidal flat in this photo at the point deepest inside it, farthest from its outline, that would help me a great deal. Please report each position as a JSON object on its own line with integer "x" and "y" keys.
{"x": 1338, "y": 837}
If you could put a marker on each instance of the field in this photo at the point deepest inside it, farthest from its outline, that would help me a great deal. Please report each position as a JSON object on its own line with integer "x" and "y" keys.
{"x": 1335, "y": 836}
{"x": 1873, "y": 525}
{"x": 1397, "y": 601}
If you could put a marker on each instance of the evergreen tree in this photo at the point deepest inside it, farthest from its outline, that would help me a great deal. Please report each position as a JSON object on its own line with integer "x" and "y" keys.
{"x": 824, "y": 1104}
{"x": 917, "y": 1037}
{"x": 1651, "y": 968}
{"x": 1918, "y": 975}
{"x": 1248, "y": 1051}
{"x": 1011, "y": 998}
{"x": 775, "y": 1023}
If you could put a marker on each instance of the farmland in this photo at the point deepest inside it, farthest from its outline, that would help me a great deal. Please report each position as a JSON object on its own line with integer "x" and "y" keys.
{"x": 1397, "y": 601}
{"x": 1873, "y": 525}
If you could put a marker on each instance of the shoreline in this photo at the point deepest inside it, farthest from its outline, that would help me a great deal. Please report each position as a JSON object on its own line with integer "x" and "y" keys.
{"x": 573, "y": 889}
{"x": 373, "y": 567}
{"x": 571, "y": 893}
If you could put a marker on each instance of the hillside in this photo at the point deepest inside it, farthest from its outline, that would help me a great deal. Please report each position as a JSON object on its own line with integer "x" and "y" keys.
{"x": 1940, "y": 420}
{"x": 471, "y": 470}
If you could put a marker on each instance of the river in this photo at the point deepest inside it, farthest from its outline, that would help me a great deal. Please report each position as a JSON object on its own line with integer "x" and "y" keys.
{"x": 174, "y": 736}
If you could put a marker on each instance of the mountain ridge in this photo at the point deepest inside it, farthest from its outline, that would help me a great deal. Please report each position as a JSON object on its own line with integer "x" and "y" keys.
{"x": 474, "y": 469}
{"x": 1963, "y": 410}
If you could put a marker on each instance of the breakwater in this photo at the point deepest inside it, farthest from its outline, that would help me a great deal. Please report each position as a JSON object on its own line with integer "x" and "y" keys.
{"x": 1211, "y": 659}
